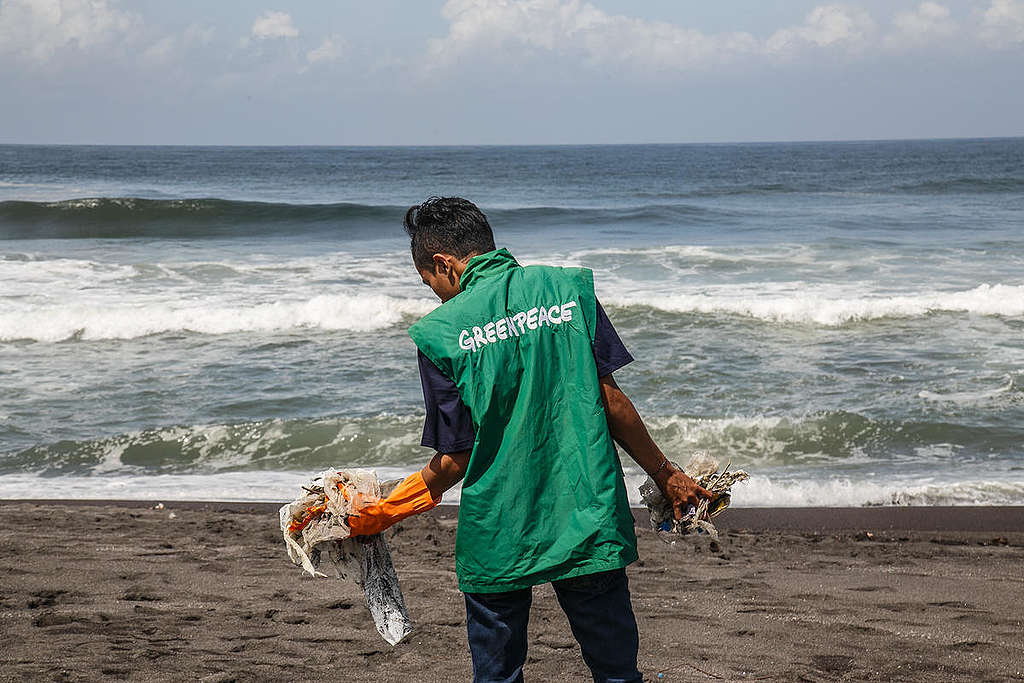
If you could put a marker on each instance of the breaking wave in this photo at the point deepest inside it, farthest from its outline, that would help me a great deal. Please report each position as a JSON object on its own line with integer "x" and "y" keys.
{"x": 360, "y": 313}
{"x": 280, "y": 486}
{"x": 826, "y": 459}
{"x": 810, "y": 308}
{"x": 357, "y": 311}
{"x": 762, "y": 491}
{"x": 297, "y": 445}
{"x": 830, "y": 437}
{"x": 827, "y": 437}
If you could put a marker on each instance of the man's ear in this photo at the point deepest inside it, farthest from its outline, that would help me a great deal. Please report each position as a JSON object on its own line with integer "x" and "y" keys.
{"x": 441, "y": 265}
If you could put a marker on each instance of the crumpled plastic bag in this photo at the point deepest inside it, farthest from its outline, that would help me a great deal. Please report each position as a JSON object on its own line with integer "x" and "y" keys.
{"x": 315, "y": 526}
{"x": 703, "y": 469}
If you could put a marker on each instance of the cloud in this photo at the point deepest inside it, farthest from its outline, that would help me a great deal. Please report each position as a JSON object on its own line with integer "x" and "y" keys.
{"x": 274, "y": 25}
{"x": 198, "y": 34}
{"x": 579, "y": 30}
{"x": 330, "y": 50}
{"x": 824, "y": 26}
{"x": 161, "y": 51}
{"x": 930, "y": 17}
{"x": 575, "y": 31}
{"x": 930, "y": 21}
{"x": 172, "y": 47}
{"x": 38, "y": 30}
{"x": 1002, "y": 24}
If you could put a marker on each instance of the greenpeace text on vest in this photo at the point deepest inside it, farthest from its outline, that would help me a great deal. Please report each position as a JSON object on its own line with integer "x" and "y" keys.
{"x": 515, "y": 325}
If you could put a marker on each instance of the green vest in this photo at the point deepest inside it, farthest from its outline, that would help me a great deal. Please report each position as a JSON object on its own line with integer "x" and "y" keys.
{"x": 543, "y": 497}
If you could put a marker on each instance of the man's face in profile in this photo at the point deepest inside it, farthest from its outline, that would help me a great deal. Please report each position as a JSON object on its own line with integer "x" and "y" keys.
{"x": 442, "y": 279}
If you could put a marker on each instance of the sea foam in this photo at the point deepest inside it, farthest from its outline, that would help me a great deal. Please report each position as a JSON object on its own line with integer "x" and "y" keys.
{"x": 356, "y": 312}
{"x": 279, "y": 486}
{"x": 807, "y": 306}
{"x": 360, "y": 311}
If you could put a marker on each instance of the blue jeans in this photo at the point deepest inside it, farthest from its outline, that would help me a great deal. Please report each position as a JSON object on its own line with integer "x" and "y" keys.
{"x": 600, "y": 615}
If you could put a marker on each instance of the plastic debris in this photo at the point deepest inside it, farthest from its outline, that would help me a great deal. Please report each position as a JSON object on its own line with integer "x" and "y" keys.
{"x": 315, "y": 527}
{"x": 704, "y": 470}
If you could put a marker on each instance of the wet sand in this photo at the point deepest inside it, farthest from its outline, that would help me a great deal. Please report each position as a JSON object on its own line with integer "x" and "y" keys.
{"x": 205, "y": 591}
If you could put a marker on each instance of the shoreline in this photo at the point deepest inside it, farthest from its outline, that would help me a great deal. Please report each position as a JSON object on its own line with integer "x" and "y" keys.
{"x": 968, "y": 518}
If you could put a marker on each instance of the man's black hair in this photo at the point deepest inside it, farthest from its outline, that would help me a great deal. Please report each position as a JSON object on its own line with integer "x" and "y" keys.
{"x": 447, "y": 225}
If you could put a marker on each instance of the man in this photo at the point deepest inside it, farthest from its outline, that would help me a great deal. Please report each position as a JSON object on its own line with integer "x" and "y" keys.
{"x": 516, "y": 366}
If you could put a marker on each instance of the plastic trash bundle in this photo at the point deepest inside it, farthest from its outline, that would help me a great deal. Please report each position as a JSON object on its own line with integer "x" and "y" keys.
{"x": 315, "y": 526}
{"x": 703, "y": 469}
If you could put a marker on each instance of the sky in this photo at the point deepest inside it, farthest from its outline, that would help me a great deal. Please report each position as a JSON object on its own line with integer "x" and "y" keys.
{"x": 464, "y": 72}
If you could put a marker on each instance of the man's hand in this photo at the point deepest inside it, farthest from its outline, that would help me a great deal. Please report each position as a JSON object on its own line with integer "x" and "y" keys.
{"x": 680, "y": 489}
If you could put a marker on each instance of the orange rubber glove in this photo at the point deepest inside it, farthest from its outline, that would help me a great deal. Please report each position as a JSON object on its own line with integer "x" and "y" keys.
{"x": 409, "y": 498}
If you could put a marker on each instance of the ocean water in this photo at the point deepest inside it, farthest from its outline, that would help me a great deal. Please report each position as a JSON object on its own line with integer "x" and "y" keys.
{"x": 843, "y": 320}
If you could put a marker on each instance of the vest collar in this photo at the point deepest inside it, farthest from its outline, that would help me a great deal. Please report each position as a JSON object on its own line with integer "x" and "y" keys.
{"x": 483, "y": 266}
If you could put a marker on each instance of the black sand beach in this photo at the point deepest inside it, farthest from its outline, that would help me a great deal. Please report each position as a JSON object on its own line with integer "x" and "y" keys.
{"x": 116, "y": 590}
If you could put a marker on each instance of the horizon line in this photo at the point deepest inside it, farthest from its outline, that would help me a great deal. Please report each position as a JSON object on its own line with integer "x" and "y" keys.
{"x": 519, "y": 144}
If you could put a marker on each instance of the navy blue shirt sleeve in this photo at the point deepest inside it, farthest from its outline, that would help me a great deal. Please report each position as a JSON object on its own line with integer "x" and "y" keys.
{"x": 609, "y": 351}
{"x": 448, "y": 427}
